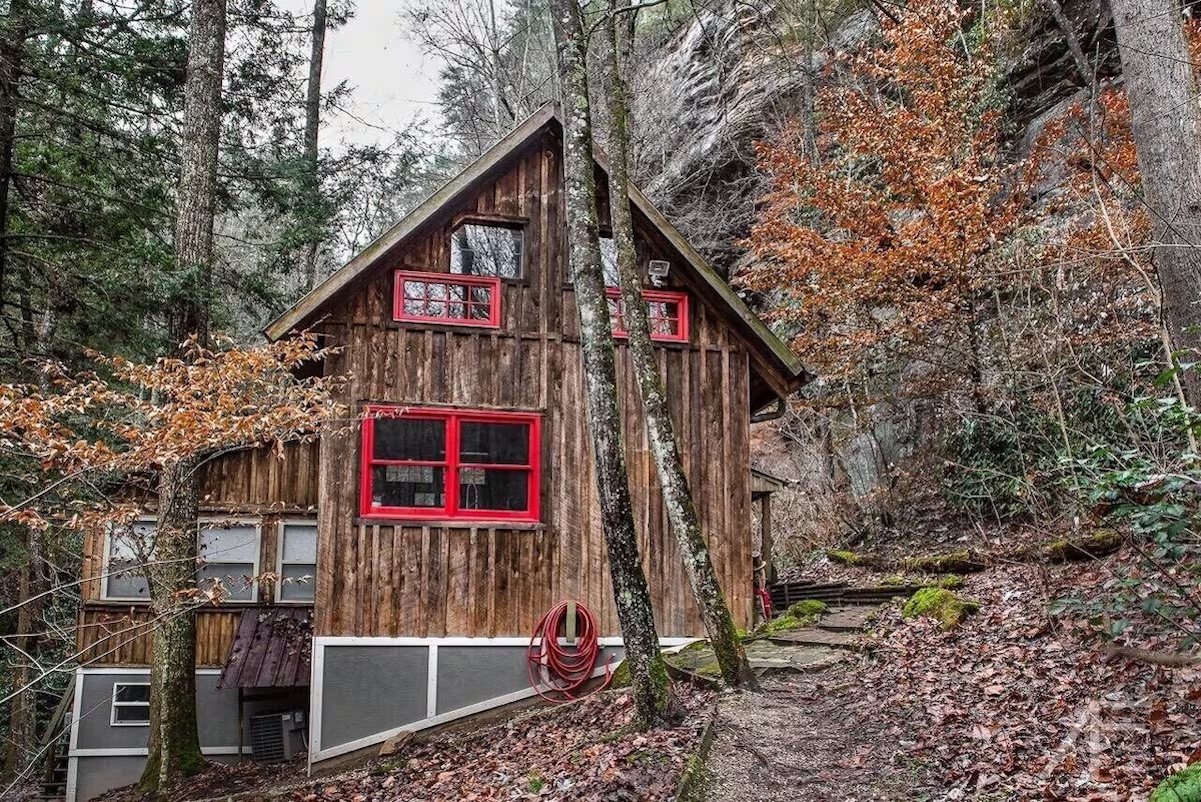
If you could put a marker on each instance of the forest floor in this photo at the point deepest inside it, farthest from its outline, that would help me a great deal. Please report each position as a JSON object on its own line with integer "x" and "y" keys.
{"x": 1013, "y": 704}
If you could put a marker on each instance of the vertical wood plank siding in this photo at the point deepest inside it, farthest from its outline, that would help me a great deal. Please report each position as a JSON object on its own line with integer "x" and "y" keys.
{"x": 390, "y": 578}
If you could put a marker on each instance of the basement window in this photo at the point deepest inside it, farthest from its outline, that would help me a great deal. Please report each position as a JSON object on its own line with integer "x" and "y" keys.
{"x": 229, "y": 560}
{"x": 297, "y": 562}
{"x": 483, "y": 249}
{"x": 127, "y": 548}
{"x": 441, "y": 298}
{"x": 131, "y": 704}
{"x": 434, "y": 464}
{"x": 667, "y": 314}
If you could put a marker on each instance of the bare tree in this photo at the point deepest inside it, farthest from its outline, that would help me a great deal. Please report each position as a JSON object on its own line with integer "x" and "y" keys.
{"x": 630, "y": 591}
{"x": 677, "y": 496}
{"x": 1166, "y": 122}
{"x": 312, "y": 129}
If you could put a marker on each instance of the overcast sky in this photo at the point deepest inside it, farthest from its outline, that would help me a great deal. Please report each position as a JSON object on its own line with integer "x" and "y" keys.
{"x": 392, "y": 82}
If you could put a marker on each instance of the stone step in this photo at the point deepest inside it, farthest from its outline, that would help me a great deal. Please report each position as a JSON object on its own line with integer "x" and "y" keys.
{"x": 768, "y": 657}
{"x": 846, "y": 619}
{"x": 816, "y": 637}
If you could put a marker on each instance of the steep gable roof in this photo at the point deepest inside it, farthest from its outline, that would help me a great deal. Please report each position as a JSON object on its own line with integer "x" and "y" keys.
{"x": 786, "y": 371}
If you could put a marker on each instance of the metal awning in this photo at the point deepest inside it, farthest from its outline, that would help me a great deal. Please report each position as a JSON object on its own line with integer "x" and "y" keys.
{"x": 272, "y": 649}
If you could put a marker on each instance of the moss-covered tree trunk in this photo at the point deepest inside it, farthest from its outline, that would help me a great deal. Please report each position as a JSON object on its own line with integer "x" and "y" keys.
{"x": 677, "y": 495}
{"x": 634, "y": 610}
{"x": 174, "y": 741}
{"x": 1166, "y": 123}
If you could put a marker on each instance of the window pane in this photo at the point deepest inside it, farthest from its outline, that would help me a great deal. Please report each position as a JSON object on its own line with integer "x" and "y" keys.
{"x": 235, "y": 543}
{"x": 408, "y": 486}
{"x": 298, "y": 582}
{"x": 494, "y": 443}
{"x": 492, "y": 489}
{"x": 300, "y": 543}
{"x": 124, "y": 584}
{"x": 483, "y": 250}
{"x": 231, "y": 576}
{"x": 132, "y": 693}
{"x": 410, "y": 438}
{"x": 131, "y": 714}
{"x": 608, "y": 248}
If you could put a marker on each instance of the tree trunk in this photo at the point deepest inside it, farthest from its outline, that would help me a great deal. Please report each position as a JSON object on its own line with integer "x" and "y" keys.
{"x": 677, "y": 496}
{"x": 22, "y": 721}
{"x": 196, "y": 206}
{"x": 312, "y": 129}
{"x": 174, "y": 739}
{"x": 630, "y": 591}
{"x": 1166, "y": 123}
{"x": 14, "y": 31}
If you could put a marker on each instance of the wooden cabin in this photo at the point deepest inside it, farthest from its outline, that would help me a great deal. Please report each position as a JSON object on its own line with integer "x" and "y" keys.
{"x": 458, "y": 505}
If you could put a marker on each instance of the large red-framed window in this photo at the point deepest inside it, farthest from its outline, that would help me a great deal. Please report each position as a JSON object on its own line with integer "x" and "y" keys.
{"x": 667, "y": 313}
{"x": 445, "y": 298}
{"x": 436, "y": 464}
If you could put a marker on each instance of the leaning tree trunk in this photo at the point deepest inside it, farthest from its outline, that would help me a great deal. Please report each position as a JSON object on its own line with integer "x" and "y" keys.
{"x": 314, "y": 214}
{"x": 677, "y": 496}
{"x": 22, "y": 720}
{"x": 14, "y": 32}
{"x": 1166, "y": 123}
{"x": 174, "y": 740}
{"x": 634, "y": 610}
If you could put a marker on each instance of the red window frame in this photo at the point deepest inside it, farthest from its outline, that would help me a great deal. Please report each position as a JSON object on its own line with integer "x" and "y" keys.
{"x": 653, "y": 296}
{"x": 448, "y": 280}
{"x": 450, "y": 511}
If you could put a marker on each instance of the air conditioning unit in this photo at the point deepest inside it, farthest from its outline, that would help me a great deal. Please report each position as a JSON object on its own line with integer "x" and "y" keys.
{"x": 277, "y": 737}
{"x": 658, "y": 269}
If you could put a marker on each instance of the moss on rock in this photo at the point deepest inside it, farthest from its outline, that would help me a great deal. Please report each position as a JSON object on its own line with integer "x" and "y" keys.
{"x": 809, "y": 608}
{"x": 940, "y": 604}
{"x": 844, "y": 557}
{"x": 956, "y": 562}
{"x": 1098, "y": 544}
{"x": 1183, "y": 786}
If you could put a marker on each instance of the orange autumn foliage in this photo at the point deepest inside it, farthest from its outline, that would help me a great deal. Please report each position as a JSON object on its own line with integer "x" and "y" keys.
{"x": 79, "y": 429}
{"x": 880, "y": 242}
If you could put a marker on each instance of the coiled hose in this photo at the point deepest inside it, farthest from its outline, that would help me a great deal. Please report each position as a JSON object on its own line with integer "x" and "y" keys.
{"x": 558, "y": 672}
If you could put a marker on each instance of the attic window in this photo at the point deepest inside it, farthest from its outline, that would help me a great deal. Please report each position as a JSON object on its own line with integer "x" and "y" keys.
{"x": 667, "y": 313}
{"x": 484, "y": 249}
{"x": 439, "y": 298}
{"x": 608, "y": 249}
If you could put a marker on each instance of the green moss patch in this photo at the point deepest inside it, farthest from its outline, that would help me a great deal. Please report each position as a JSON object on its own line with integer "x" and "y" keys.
{"x": 809, "y": 608}
{"x": 844, "y": 557}
{"x": 1088, "y": 547}
{"x": 1183, "y": 786}
{"x": 956, "y": 562}
{"x": 940, "y": 604}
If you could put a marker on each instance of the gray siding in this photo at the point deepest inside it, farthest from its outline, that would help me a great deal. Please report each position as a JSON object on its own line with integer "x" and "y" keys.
{"x": 371, "y": 689}
{"x": 471, "y": 674}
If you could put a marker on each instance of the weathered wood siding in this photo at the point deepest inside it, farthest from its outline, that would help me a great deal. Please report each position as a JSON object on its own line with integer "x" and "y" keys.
{"x": 253, "y": 484}
{"x": 389, "y": 578}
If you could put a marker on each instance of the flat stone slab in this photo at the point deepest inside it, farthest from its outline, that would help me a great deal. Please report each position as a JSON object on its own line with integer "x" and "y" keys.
{"x": 846, "y": 619}
{"x": 763, "y": 655}
{"x": 816, "y": 637}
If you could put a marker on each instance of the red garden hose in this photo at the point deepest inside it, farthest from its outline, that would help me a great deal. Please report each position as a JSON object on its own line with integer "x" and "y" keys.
{"x": 558, "y": 672}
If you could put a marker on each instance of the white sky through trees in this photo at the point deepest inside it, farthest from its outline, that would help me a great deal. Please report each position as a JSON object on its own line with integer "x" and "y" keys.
{"x": 393, "y": 82}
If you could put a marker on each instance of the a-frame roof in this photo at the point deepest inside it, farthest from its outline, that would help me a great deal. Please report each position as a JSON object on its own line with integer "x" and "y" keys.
{"x": 784, "y": 370}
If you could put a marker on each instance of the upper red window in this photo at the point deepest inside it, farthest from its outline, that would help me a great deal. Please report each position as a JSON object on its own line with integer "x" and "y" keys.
{"x": 450, "y": 464}
{"x": 667, "y": 313}
{"x": 443, "y": 298}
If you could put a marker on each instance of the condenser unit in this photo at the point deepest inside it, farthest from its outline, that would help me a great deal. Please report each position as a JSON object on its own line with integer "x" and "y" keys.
{"x": 276, "y": 737}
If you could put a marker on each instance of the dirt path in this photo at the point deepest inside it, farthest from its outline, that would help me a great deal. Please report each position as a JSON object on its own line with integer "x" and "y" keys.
{"x": 800, "y": 739}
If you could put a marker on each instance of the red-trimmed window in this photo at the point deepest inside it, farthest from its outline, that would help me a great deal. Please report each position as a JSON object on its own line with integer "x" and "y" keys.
{"x": 443, "y": 298}
{"x": 450, "y": 464}
{"x": 667, "y": 313}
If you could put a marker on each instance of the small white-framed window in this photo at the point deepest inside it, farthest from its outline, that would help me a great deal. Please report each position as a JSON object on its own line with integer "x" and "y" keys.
{"x": 229, "y": 556}
{"x": 297, "y": 566}
{"x": 131, "y": 704}
{"x": 126, "y": 547}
